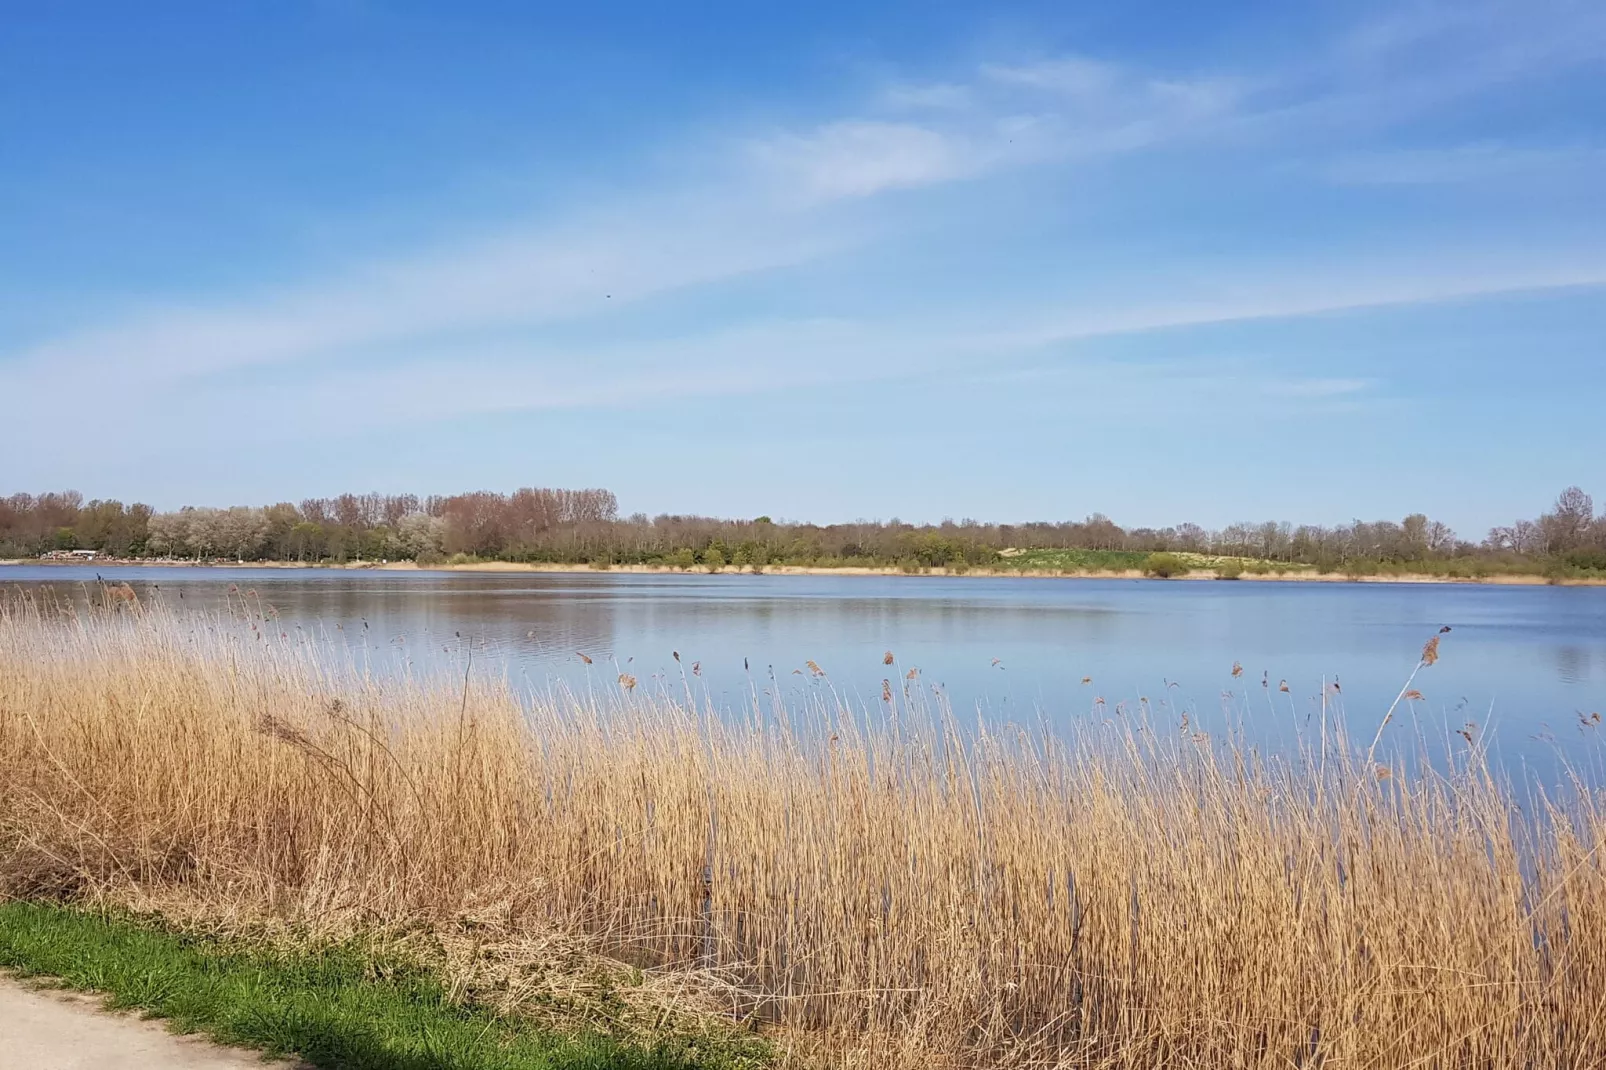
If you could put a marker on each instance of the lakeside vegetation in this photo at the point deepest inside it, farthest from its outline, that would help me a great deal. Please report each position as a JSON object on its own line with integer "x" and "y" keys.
{"x": 865, "y": 887}
{"x": 346, "y": 1005}
{"x": 584, "y": 527}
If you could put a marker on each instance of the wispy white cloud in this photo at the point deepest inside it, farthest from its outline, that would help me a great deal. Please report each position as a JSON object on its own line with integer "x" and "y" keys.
{"x": 1419, "y": 58}
{"x": 859, "y": 157}
{"x": 533, "y": 274}
{"x": 1480, "y": 37}
{"x": 433, "y": 385}
{"x": 788, "y": 354}
{"x": 1315, "y": 388}
{"x": 773, "y": 207}
{"x": 1004, "y": 114}
{"x": 1476, "y": 162}
{"x": 528, "y": 277}
{"x": 1083, "y": 90}
{"x": 998, "y": 116}
{"x": 1353, "y": 287}
{"x": 1066, "y": 107}
{"x": 927, "y": 96}
{"x": 452, "y": 380}
{"x": 1077, "y": 77}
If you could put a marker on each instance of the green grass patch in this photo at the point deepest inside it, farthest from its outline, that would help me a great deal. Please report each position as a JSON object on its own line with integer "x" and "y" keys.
{"x": 344, "y": 1006}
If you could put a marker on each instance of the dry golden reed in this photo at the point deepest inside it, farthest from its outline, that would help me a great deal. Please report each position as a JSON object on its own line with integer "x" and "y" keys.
{"x": 902, "y": 894}
{"x": 1430, "y": 651}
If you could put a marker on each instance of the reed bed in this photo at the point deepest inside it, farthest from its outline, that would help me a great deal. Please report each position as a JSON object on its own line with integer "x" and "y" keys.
{"x": 894, "y": 890}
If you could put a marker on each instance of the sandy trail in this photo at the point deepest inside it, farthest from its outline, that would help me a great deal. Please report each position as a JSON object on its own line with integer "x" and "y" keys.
{"x": 54, "y": 1030}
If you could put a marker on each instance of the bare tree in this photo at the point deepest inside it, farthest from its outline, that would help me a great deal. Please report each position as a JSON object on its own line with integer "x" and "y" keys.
{"x": 1567, "y": 526}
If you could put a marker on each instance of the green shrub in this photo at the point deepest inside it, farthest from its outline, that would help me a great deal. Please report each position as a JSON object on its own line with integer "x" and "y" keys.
{"x": 713, "y": 560}
{"x": 1230, "y": 570}
{"x": 1594, "y": 560}
{"x": 1164, "y": 566}
{"x": 682, "y": 559}
{"x": 1558, "y": 570}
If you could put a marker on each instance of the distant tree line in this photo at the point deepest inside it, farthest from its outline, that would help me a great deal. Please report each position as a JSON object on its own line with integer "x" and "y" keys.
{"x": 584, "y": 526}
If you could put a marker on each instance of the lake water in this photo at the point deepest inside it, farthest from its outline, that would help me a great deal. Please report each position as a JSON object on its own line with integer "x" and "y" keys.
{"x": 1522, "y": 664}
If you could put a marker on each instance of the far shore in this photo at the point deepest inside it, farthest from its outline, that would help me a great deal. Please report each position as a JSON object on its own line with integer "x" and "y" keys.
{"x": 1294, "y": 576}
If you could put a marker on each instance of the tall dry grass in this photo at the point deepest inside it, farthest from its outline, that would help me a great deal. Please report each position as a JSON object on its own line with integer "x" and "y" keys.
{"x": 900, "y": 894}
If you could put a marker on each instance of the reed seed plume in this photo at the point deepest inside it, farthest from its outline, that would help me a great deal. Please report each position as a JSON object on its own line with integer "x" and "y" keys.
{"x": 882, "y": 888}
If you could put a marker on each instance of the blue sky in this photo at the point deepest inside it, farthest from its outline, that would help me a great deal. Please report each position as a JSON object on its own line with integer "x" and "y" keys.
{"x": 1167, "y": 261}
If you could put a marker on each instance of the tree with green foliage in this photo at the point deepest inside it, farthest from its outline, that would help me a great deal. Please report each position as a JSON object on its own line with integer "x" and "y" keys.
{"x": 537, "y": 525}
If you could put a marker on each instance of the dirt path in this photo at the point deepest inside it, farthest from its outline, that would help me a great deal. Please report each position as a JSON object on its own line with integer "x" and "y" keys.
{"x": 51, "y": 1030}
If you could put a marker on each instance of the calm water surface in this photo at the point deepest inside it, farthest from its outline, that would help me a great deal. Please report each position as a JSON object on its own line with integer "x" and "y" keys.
{"x": 1522, "y": 663}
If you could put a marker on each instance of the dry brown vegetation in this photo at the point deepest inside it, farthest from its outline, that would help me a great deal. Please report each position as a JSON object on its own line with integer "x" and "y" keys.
{"x": 898, "y": 894}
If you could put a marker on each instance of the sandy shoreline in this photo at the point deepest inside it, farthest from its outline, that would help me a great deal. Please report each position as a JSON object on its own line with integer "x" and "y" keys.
{"x": 1505, "y": 580}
